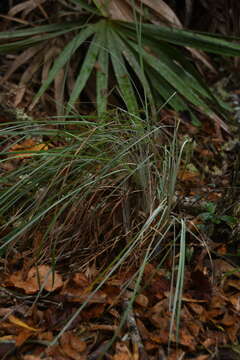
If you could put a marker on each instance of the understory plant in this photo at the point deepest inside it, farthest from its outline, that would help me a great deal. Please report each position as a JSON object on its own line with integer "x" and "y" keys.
{"x": 63, "y": 173}
{"x": 78, "y": 193}
{"x": 91, "y": 56}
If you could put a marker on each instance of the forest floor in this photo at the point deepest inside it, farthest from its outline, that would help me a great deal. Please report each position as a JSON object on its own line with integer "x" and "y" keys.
{"x": 33, "y": 316}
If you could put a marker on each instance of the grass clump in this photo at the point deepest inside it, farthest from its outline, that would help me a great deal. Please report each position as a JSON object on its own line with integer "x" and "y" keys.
{"x": 97, "y": 193}
{"x": 90, "y": 187}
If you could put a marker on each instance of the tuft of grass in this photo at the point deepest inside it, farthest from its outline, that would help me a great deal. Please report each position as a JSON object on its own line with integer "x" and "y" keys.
{"x": 101, "y": 192}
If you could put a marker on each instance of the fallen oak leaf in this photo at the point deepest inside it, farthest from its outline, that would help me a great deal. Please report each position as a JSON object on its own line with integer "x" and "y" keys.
{"x": 42, "y": 276}
{"x": 72, "y": 346}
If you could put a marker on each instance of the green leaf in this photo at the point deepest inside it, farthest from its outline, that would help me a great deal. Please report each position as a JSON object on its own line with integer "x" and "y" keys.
{"x": 102, "y": 80}
{"x": 166, "y": 91}
{"x": 188, "y": 38}
{"x": 230, "y": 220}
{"x": 210, "y": 207}
{"x": 121, "y": 72}
{"x": 135, "y": 64}
{"x": 37, "y": 30}
{"x": 87, "y": 67}
{"x": 65, "y": 56}
{"x": 206, "y": 216}
{"x": 165, "y": 68}
{"x": 90, "y": 8}
{"x": 21, "y": 44}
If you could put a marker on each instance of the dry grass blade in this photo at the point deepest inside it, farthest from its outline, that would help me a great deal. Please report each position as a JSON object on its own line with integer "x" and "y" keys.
{"x": 27, "y": 76}
{"x": 26, "y": 7}
{"x": 49, "y": 57}
{"x": 21, "y": 60}
{"x": 59, "y": 91}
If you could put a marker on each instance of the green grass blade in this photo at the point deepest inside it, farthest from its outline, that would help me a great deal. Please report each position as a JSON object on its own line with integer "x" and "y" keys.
{"x": 177, "y": 300}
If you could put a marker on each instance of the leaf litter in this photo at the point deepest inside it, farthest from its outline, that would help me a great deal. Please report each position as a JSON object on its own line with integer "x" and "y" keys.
{"x": 37, "y": 301}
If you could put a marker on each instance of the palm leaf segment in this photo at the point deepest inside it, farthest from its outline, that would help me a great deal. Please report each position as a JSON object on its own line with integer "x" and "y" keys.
{"x": 157, "y": 63}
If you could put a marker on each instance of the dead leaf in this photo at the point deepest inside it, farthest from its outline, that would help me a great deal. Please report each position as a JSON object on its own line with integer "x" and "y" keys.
{"x": 233, "y": 283}
{"x": 235, "y": 301}
{"x": 186, "y": 339}
{"x": 81, "y": 280}
{"x": 221, "y": 266}
{"x": 22, "y": 337}
{"x": 14, "y": 320}
{"x": 25, "y": 7}
{"x": 37, "y": 277}
{"x": 28, "y": 145}
{"x": 117, "y": 10}
{"x": 164, "y": 11}
{"x": 122, "y": 352}
{"x": 142, "y": 300}
{"x": 72, "y": 346}
{"x": 189, "y": 176}
{"x": 94, "y": 312}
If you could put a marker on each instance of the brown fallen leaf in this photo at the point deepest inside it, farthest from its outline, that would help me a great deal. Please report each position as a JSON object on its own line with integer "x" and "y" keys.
{"x": 73, "y": 346}
{"x": 122, "y": 352}
{"x": 142, "y": 300}
{"x": 14, "y": 320}
{"x": 29, "y": 146}
{"x": 37, "y": 277}
{"x": 22, "y": 337}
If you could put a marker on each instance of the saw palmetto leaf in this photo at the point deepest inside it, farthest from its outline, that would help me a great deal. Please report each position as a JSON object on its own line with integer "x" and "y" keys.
{"x": 122, "y": 74}
{"x": 179, "y": 37}
{"x": 133, "y": 59}
{"x": 145, "y": 71}
{"x": 87, "y": 67}
{"x": 102, "y": 77}
{"x": 65, "y": 56}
